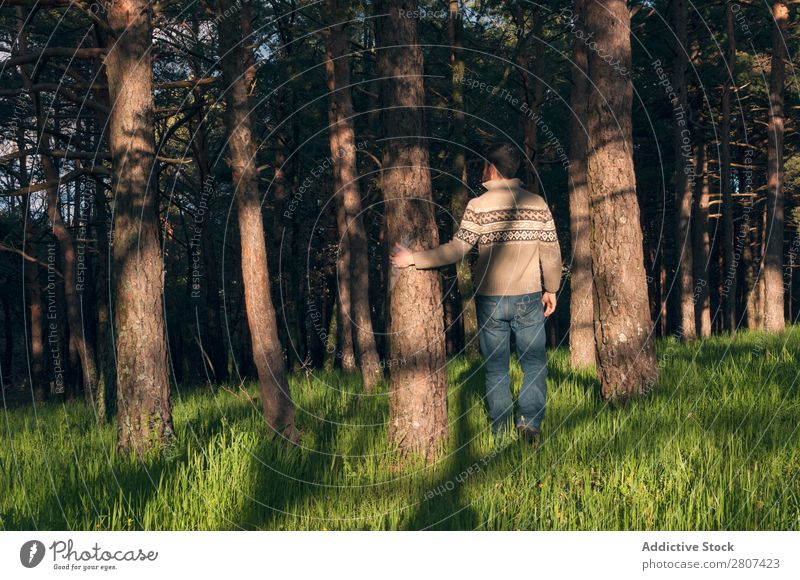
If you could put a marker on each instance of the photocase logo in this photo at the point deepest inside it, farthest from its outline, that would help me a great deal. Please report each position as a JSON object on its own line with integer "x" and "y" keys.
{"x": 31, "y": 553}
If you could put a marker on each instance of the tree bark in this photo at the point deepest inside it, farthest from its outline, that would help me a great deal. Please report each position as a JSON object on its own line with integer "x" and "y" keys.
{"x": 106, "y": 364}
{"x": 682, "y": 141}
{"x": 701, "y": 244}
{"x": 729, "y": 278}
{"x": 753, "y": 252}
{"x": 459, "y": 196}
{"x": 346, "y": 191}
{"x": 143, "y": 388}
{"x": 276, "y": 398}
{"x": 345, "y": 349}
{"x": 625, "y": 349}
{"x": 581, "y": 310}
{"x": 773, "y": 258}
{"x": 418, "y": 387}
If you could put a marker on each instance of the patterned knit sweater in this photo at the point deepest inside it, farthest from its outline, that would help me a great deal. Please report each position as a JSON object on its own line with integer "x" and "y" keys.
{"x": 514, "y": 232}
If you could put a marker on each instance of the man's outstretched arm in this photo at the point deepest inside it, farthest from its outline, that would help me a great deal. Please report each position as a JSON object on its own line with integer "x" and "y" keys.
{"x": 463, "y": 241}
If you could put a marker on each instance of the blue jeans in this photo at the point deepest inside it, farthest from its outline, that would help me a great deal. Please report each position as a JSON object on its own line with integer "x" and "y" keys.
{"x": 498, "y": 316}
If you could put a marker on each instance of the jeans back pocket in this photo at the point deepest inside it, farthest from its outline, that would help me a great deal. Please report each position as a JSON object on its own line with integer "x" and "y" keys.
{"x": 529, "y": 311}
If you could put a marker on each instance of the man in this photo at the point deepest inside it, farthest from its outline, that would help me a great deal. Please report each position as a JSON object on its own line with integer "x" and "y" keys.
{"x": 514, "y": 232}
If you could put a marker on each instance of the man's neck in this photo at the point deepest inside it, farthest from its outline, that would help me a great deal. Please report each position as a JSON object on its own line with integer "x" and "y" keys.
{"x": 501, "y": 182}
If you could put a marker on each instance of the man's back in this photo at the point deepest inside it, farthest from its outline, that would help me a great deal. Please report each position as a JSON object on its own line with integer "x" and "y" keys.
{"x": 514, "y": 232}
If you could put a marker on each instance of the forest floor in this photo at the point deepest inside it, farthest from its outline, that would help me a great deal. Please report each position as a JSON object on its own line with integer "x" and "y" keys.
{"x": 715, "y": 446}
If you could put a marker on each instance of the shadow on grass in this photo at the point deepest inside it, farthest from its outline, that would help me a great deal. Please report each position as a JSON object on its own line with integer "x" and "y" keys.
{"x": 443, "y": 505}
{"x": 286, "y": 477}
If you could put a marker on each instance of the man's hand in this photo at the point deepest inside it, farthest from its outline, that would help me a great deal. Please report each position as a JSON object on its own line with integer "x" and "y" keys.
{"x": 401, "y": 257}
{"x": 549, "y": 303}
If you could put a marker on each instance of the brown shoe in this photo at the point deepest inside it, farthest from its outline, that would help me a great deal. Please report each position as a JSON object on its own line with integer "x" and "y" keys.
{"x": 529, "y": 434}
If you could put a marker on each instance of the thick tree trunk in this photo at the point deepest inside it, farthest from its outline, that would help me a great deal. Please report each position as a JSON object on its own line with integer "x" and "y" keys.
{"x": 682, "y": 141}
{"x": 347, "y": 193}
{"x": 773, "y": 257}
{"x": 143, "y": 388}
{"x": 701, "y": 245}
{"x": 581, "y": 310}
{"x": 625, "y": 349}
{"x": 418, "y": 395}
{"x": 729, "y": 277}
{"x": 276, "y": 398}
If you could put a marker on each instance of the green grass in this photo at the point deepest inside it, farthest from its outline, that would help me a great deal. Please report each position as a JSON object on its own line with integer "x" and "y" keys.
{"x": 715, "y": 446}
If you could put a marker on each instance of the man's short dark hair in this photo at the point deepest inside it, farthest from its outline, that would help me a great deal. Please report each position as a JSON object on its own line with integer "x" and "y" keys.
{"x": 505, "y": 159}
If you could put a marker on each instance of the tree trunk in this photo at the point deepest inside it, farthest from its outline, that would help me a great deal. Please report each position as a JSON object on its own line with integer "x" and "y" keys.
{"x": 729, "y": 278}
{"x": 700, "y": 242}
{"x": 418, "y": 386}
{"x": 203, "y": 241}
{"x": 73, "y": 285}
{"x": 682, "y": 140}
{"x": 33, "y": 295}
{"x": 581, "y": 311}
{"x": 459, "y": 196}
{"x": 532, "y": 90}
{"x": 106, "y": 364}
{"x": 346, "y": 190}
{"x": 283, "y": 235}
{"x": 106, "y": 379}
{"x": 8, "y": 331}
{"x": 773, "y": 257}
{"x": 750, "y": 257}
{"x": 143, "y": 388}
{"x": 276, "y": 398}
{"x": 625, "y": 349}
{"x": 753, "y": 252}
{"x": 345, "y": 350}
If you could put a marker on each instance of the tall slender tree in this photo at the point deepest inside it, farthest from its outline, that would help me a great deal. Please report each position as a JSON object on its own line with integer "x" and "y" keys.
{"x": 418, "y": 388}
{"x": 347, "y": 192}
{"x": 211, "y": 343}
{"x": 459, "y": 194}
{"x": 682, "y": 148}
{"x": 728, "y": 285}
{"x": 773, "y": 255}
{"x": 623, "y": 330}
{"x": 276, "y": 399}
{"x": 700, "y": 241}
